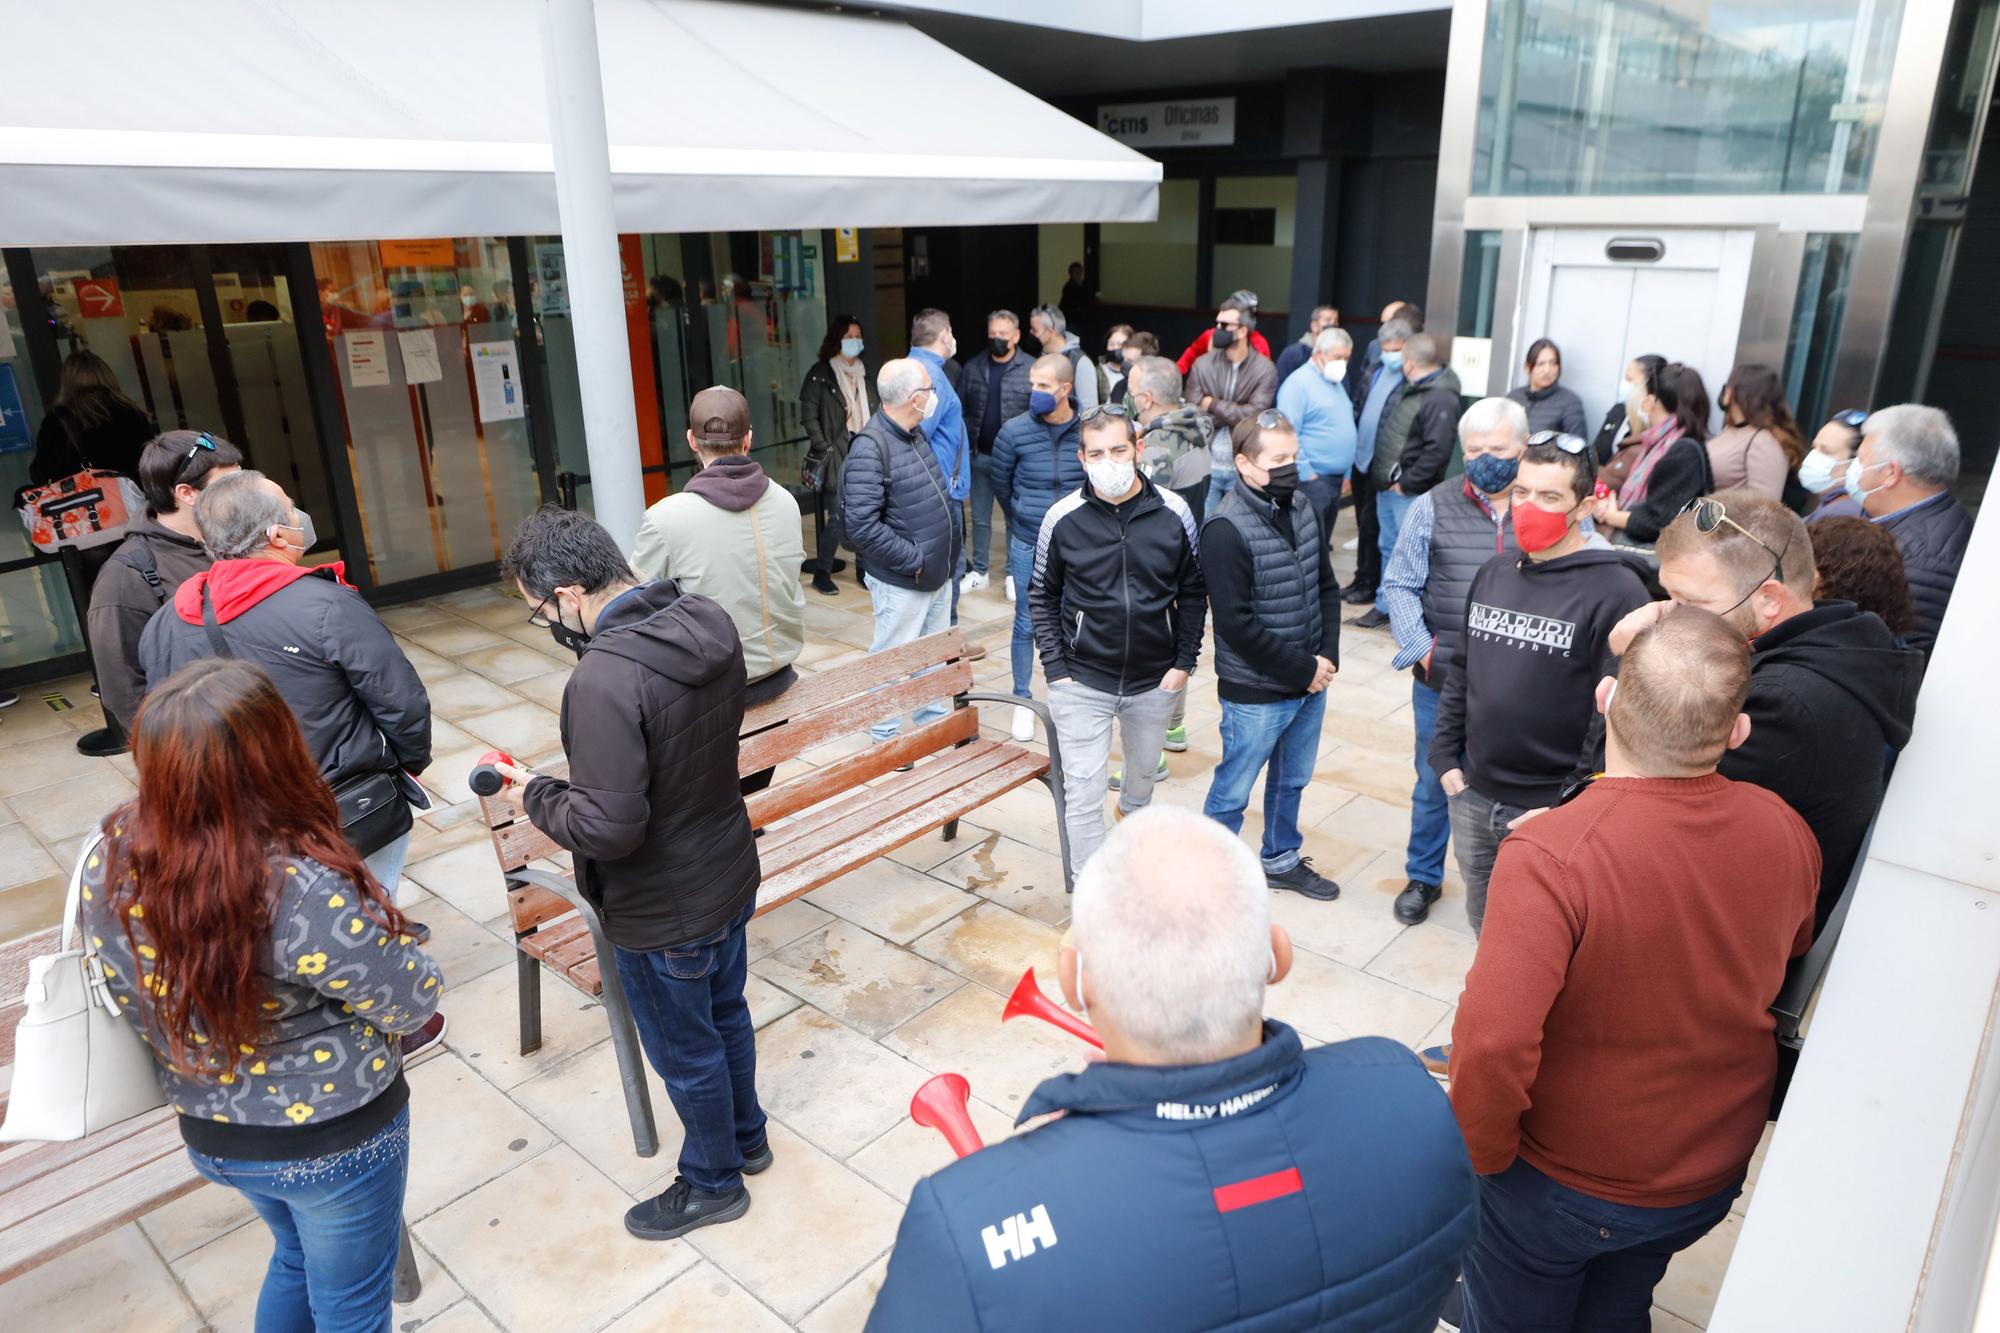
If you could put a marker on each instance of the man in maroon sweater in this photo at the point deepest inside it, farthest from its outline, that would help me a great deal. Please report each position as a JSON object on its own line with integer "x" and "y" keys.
{"x": 1612, "y": 1059}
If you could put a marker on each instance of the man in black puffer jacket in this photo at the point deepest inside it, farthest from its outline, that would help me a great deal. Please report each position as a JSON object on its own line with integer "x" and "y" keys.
{"x": 1903, "y": 476}
{"x": 654, "y": 816}
{"x": 899, "y": 520}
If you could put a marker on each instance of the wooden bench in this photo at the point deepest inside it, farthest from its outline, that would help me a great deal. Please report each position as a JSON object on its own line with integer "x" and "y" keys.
{"x": 815, "y": 826}
{"x": 57, "y": 1196}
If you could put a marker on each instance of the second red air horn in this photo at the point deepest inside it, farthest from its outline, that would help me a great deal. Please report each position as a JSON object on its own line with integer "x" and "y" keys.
{"x": 941, "y": 1105}
{"x": 1028, "y": 999}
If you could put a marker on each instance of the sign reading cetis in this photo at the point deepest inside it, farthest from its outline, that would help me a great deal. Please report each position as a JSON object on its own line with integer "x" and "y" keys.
{"x": 1198, "y": 122}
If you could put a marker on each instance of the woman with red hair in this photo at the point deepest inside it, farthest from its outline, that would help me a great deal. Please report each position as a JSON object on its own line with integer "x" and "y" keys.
{"x": 271, "y": 975}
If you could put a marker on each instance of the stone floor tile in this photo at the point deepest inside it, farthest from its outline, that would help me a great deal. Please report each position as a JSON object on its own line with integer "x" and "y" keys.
{"x": 583, "y": 1101}
{"x": 1695, "y": 1275}
{"x": 546, "y": 689}
{"x": 509, "y": 661}
{"x": 932, "y": 850}
{"x": 465, "y": 1317}
{"x": 993, "y": 946}
{"x": 461, "y": 946}
{"x": 1331, "y": 1001}
{"x": 1014, "y": 874}
{"x": 1440, "y": 1033}
{"x": 831, "y": 1084}
{"x": 36, "y": 905}
{"x": 1351, "y": 929}
{"x": 193, "y": 1220}
{"x": 891, "y": 900}
{"x": 702, "y": 1297}
{"x": 964, "y": 1035}
{"x": 486, "y": 1030}
{"x": 767, "y": 1003}
{"x": 1386, "y": 777}
{"x": 909, "y": 1152}
{"x": 73, "y": 806}
{"x": 488, "y": 604}
{"x": 114, "y": 1284}
{"x": 774, "y": 929}
{"x": 1027, "y": 814}
{"x": 464, "y": 693}
{"x": 410, "y": 615}
{"x": 428, "y": 665}
{"x": 446, "y": 778}
{"x": 1742, "y": 1203}
{"x": 812, "y": 1225}
{"x": 520, "y": 729}
{"x": 1367, "y": 821}
{"x": 452, "y": 637}
{"x": 493, "y": 1241}
{"x": 847, "y": 1310}
{"x": 223, "y": 1278}
{"x": 446, "y": 738}
{"x": 467, "y": 877}
{"x": 1427, "y": 959}
{"x": 1664, "y": 1322}
{"x": 30, "y": 762}
{"x": 463, "y": 1132}
{"x": 858, "y": 979}
{"x": 32, "y": 720}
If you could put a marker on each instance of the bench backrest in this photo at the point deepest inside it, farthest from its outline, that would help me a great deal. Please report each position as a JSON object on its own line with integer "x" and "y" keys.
{"x": 821, "y": 707}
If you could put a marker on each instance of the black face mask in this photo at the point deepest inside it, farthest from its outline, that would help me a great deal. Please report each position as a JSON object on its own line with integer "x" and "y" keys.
{"x": 565, "y": 637}
{"x": 999, "y": 347}
{"x": 1224, "y": 337}
{"x": 1284, "y": 484}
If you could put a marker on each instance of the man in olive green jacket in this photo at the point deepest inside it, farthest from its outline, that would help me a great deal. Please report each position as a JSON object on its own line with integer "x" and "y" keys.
{"x": 733, "y": 537}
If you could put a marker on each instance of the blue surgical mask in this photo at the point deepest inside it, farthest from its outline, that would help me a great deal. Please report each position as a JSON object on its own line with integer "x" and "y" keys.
{"x": 851, "y": 347}
{"x": 1393, "y": 360}
{"x": 1490, "y": 473}
{"x": 1041, "y": 403}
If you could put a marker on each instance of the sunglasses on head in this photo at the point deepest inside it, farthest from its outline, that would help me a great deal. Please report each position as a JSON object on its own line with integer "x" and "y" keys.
{"x": 1710, "y": 514}
{"x": 1105, "y": 410}
{"x": 1272, "y": 419}
{"x": 1851, "y": 418}
{"x": 1569, "y": 444}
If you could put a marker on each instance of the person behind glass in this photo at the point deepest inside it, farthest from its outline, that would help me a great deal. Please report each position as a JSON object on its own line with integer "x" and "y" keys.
{"x": 1297, "y": 353}
{"x": 1113, "y": 361}
{"x": 1315, "y": 401}
{"x": 1048, "y": 328}
{"x": 1823, "y": 471}
{"x": 1232, "y": 382}
{"x": 994, "y": 386}
{"x": 1859, "y": 562}
{"x": 1902, "y": 475}
{"x": 1759, "y": 447}
{"x": 1448, "y": 534}
{"x": 1277, "y": 642}
{"x": 358, "y": 699}
{"x": 1551, "y": 406}
{"x": 899, "y": 519}
{"x": 1617, "y": 445}
{"x": 245, "y": 937}
{"x": 159, "y": 553}
{"x": 1376, "y": 391}
{"x": 1036, "y": 461}
{"x": 835, "y": 401}
{"x": 91, "y": 423}
{"x": 1412, "y": 449}
{"x": 1671, "y": 466}
{"x": 1612, "y": 1060}
{"x": 652, "y": 813}
{"x": 1117, "y": 604}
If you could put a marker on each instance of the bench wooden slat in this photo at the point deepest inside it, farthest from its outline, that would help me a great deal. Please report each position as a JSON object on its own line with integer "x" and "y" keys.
{"x": 28, "y": 1161}
{"x": 110, "y": 1203}
{"x": 586, "y": 977}
{"x": 792, "y": 738}
{"x": 530, "y": 905}
{"x": 64, "y": 1189}
{"x": 783, "y": 844}
{"x": 817, "y": 689}
{"x": 772, "y": 804}
{"x": 521, "y": 843}
{"x": 565, "y": 956}
{"x": 549, "y": 938}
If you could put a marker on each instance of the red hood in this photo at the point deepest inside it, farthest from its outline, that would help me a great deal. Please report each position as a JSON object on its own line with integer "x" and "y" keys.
{"x": 239, "y": 585}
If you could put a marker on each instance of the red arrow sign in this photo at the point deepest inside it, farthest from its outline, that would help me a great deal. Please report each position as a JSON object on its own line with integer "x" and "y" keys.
{"x": 99, "y": 298}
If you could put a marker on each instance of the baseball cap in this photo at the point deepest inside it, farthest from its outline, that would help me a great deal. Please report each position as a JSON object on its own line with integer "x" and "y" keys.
{"x": 719, "y": 416}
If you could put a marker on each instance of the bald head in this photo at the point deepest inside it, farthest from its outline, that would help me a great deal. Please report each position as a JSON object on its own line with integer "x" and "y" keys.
{"x": 1680, "y": 692}
{"x": 1054, "y": 368}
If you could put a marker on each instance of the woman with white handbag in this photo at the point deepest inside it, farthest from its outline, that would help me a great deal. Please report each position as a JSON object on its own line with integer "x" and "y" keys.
{"x": 270, "y": 976}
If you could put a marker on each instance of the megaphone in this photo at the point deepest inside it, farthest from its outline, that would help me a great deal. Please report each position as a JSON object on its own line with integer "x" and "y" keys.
{"x": 940, "y": 1105}
{"x": 485, "y": 780}
{"x": 1028, "y": 1000}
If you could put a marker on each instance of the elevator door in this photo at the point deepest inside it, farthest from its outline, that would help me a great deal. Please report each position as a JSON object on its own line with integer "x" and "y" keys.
{"x": 1685, "y": 304}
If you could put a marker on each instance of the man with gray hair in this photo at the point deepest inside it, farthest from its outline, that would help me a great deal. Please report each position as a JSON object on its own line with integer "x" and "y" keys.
{"x": 899, "y": 516}
{"x": 1902, "y": 476}
{"x": 356, "y": 697}
{"x": 1314, "y": 399}
{"x": 1050, "y": 330}
{"x": 1210, "y": 1171}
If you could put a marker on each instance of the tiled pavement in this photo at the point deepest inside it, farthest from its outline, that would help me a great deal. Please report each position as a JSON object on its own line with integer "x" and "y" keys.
{"x": 522, "y": 1165}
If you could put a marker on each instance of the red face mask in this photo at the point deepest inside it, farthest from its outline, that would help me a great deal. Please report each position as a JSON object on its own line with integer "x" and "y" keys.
{"x": 1537, "y": 529}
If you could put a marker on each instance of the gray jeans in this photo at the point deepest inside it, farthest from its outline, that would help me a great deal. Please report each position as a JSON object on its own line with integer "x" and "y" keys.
{"x": 1478, "y": 823}
{"x": 1084, "y": 719}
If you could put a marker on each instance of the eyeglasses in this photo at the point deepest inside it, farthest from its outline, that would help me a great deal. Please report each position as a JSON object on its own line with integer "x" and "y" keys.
{"x": 1272, "y": 419}
{"x": 1709, "y": 514}
{"x": 539, "y": 617}
{"x": 1118, "y": 410}
{"x": 1851, "y": 418}
{"x": 1569, "y": 444}
{"x": 1228, "y": 324}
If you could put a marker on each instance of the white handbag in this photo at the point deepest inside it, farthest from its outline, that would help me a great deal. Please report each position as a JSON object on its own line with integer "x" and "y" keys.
{"x": 79, "y": 1063}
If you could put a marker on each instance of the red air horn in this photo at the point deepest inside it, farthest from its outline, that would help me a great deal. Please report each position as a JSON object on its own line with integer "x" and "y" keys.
{"x": 1028, "y": 999}
{"x": 940, "y": 1105}
{"x": 485, "y": 780}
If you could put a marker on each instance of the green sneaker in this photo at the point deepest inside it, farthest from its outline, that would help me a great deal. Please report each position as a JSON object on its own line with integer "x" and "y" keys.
{"x": 1177, "y": 739}
{"x": 1118, "y": 775}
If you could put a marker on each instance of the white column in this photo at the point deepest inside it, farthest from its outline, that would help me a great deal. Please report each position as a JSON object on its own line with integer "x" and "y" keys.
{"x": 590, "y": 254}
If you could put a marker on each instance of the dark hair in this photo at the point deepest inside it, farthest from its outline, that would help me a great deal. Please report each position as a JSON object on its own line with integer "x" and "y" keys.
{"x": 1681, "y": 392}
{"x": 1535, "y": 350}
{"x": 90, "y": 391}
{"x": 1246, "y": 438}
{"x": 1846, "y": 421}
{"x": 1246, "y": 313}
{"x": 1648, "y": 363}
{"x": 836, "y": 329}
{"x": 1125, "y": 329}
{"x": 1099, "y": 420}
{"x": 557, "y": 547}
{"x": 260, "y": 312}
{"x": 1411, "y": 312}
{"x": 1859, "y": 562}
{"x": 926, "y": 325}
{"x": 1758, "y": 393}
{"x": 180, "y": 456}
{"x": 1582, "y": 465}
{"x": 1145, "y": 342}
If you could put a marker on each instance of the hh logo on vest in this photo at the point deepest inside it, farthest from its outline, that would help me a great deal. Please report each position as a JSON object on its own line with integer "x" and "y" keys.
{"x": 1019, "y": 1236}
{"x": 1535, "y": 633}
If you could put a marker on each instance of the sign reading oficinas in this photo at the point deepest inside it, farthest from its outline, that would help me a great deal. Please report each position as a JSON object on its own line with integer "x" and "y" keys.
{"x": 1202, "y": 122}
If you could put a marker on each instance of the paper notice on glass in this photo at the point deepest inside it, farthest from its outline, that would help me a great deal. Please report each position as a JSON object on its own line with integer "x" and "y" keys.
{"x": 1471, "y": 360}
{"x": 420, "y": 356}
{"x": 497, "y": 373}
{"x": 367, "y": 358}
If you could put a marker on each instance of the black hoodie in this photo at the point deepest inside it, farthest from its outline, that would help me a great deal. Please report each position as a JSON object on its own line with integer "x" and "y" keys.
{"x": 651, "y": 807}
{"x": 1519, "y": 712}
{"x": 1830, "y": 695}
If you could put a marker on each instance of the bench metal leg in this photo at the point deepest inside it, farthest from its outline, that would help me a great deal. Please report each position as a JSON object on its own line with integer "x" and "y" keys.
{"x": 528, "y": 980}
{"x": 1053, "y": 781}
{"x": 951, "y": 830}
{"x": 631, "y": 1063}
{"x": 409, "y": 1285}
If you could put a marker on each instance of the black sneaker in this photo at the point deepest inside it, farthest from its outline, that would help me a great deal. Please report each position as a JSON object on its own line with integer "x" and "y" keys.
{"x": 755, "y": 1164}
{"x": 427, "y": 1040}
{"x": 1452, "y": 1318}
{"x": 1373, "y": 620}
{"x": 8, "y": 698}
{"x": 102, "y": 743}
{"x": 1302, "y": 878}
{"x": 823, "y": 583}
{"x": 683, "y": 1208}
{"x": 1357, "y": 596}
{"x": 1413, "y": 904}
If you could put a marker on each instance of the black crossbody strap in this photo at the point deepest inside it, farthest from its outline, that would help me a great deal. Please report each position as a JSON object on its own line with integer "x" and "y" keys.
{"x": 215, "y": 639}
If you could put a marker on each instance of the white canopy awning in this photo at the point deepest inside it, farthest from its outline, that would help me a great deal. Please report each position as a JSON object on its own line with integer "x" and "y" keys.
{"x": 157, "y": 121}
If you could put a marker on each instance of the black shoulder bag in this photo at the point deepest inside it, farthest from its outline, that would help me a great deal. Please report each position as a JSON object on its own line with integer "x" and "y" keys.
{"x": 373, "y": 813}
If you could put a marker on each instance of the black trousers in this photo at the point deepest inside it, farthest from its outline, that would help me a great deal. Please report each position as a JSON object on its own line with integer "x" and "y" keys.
{"x": 1368, "y": 558}
{"x": 826, "y": 518}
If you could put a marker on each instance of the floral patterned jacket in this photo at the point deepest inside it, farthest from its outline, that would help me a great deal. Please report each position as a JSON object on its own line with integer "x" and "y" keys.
{"x": 341, "y": 989}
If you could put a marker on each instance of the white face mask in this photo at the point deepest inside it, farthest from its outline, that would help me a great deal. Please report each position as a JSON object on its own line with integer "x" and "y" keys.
{"x": 1112, "y": 478}
{"x": 1816, "y": 471}
{"x": 1335, "y": 371}
{"x": 950, "y": 347}
{"x": 930, "y": 405}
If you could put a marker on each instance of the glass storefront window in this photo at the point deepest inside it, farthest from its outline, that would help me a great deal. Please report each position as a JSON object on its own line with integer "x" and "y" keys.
{"x": 1151, "y": 263}
{"x": 1817, "y": 314}
{"x": 1636, "y": 97}
{"x": 136, "y": 307}
{"x": 1254, "y": 220}
{"x": 1962, "y": 83}
{"x": 1478, "y": 282}
{"x": 37, "y": 619}
{"x": 765, "y": 313}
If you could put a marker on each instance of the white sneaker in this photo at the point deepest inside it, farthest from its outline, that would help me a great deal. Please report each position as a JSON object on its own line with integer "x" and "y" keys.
{"x": 1010, "y": 587}
{"x": 1351, "y": 544}
{"x": 972, "y": 582}
{"x": 1024, "y": 725}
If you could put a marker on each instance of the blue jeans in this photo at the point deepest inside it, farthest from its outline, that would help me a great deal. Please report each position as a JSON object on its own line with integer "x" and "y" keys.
{"x": 337, "y": 1220}
{"x": 1389, "y": 510}
{"x": 1430, "y": 811}
{"x": 386, "y": 864}
{"x": 1219, "y": 485}
{"x": 903, "y": 615}
{"x": 1550, "y": 1258}
{"x": 982, "y": 514}
{"x": 1284, "y": 734}
{"x": 1021, "y": 568}
{"x": 687, "y": 1003}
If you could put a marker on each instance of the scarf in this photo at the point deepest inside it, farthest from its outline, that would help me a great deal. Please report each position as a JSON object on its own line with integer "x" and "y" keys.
{"x": 853, "y": 382}
{"x": 1656, "y": 442}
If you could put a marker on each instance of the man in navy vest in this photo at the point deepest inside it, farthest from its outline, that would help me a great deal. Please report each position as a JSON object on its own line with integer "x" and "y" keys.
{"x": 1209, "y": 1172}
